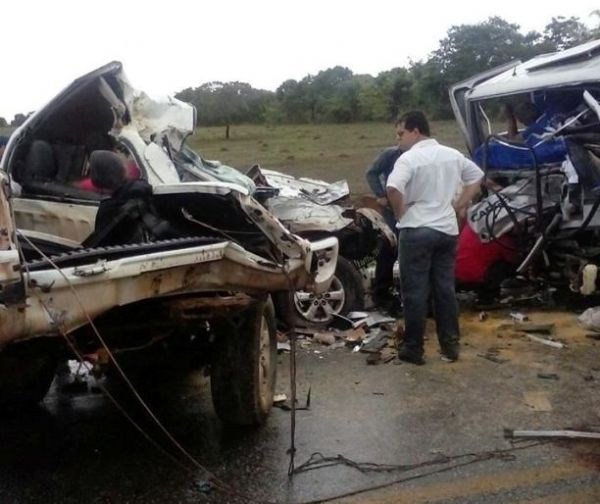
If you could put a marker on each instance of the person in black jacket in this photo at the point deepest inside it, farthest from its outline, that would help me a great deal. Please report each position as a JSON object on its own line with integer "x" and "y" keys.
{"x": 384, "y": 295}
{"x": 127, "y": 216}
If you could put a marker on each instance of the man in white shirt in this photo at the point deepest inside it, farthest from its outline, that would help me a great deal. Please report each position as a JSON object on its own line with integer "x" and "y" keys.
{"x": 421, "y": 190}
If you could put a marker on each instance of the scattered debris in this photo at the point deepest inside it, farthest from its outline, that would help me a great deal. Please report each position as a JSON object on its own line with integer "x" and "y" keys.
{"x": 375, "y": 342}
{"x": 545, "y": 341}
{"x": 283, "y": 346}
{"x": 483, "y": 315}
{"x": 590, "y": 319}
{"x": 537, "y": 401}
{"x": 383, "y": 357}
{"x": 285, "y": 405}
{"x": 568, "y": 434}
{"x": 325, "y": 338}
{"x": 344, "y": 323}
{"x": 354, "y": 335}
{"x": 277, "y": 398}
{"x": 357, "y": 315}
{"x": 376, "y": 318}
{"x": 388, "y": 354}
{"x": 548, "y": 376}
{"x": 594, "y": 336}
{"x": 528, "y": 327}
{"x": 518, "y": 316}
{"x": 491, "y": 354}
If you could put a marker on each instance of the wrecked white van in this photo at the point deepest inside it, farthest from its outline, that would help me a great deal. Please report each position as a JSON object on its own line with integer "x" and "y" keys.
{"x": 546, "y": 170}
{"x": 206, "y": 285}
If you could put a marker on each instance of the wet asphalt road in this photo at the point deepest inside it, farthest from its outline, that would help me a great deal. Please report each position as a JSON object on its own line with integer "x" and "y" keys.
{"x": 80, "y": 448}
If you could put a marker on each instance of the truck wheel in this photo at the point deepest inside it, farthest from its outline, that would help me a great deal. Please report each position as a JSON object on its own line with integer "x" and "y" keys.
{"x": 345, "y": 294}
{"x": 26, "y": 372}
{"x": 244, "y": 366}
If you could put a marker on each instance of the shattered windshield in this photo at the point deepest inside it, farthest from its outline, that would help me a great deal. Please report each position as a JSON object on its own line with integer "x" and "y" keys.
{"x": 192, "y": 167}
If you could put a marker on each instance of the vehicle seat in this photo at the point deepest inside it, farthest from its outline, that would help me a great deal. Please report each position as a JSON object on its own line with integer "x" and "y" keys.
{"x": 41, "y": 175}
{"x": 40, "y": 164}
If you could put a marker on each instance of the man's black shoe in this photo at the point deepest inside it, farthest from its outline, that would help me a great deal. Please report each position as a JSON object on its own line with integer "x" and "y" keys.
{"x": 413, "y": 359}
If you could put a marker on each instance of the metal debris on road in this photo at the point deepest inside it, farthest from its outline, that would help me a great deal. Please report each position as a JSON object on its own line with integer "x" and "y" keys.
{"x": 283, "y": 347}
{"x": 567, "y": 434}
{"x": 545, "y": 341}
{"x": 376, "y": 341}
{"x": 519, "y": 317}
{"x": 376, "y": 318}
{"x": 277, "y": 398}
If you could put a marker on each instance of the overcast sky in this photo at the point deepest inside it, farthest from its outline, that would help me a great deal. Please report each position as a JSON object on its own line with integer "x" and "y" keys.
{"x": 173, "y": 44}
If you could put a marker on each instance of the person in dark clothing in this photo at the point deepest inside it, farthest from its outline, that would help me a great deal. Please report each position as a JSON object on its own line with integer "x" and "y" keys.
{"x": 377, "y": 175}
{"x": 127, "y": 216}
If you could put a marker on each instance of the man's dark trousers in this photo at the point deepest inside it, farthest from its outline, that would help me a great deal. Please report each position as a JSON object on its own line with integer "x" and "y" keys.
{"x": 427, "y": 259}
{"x": 384, "y": 267}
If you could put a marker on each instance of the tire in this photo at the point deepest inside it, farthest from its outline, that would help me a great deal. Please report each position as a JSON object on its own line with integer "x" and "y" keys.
{"x": 346, "y": 294}
{"x": 26, "y": 372}
{"x": 244, "y": 366}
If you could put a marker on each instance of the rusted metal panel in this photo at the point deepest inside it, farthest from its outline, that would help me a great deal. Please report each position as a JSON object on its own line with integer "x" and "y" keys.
{"x": 200, "y": 308}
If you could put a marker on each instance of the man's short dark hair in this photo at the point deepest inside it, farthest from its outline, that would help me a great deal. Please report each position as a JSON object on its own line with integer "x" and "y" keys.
{"x": 527, "y": 113}
{"x": 414, "y": 119}
{"x": 107, "y": 170}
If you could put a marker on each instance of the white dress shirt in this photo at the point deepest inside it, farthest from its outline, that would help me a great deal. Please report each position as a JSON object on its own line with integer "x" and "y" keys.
{"x": 428, "y": 175}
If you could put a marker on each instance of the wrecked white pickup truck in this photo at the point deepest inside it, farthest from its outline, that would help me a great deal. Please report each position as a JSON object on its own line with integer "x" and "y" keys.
{"x": 206, "y": 286}
{"x": 313, "y": 209}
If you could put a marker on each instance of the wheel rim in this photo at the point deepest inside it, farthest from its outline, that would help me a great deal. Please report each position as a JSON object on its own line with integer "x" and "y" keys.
{"x": 321, "y": 308}
{"x": 264, "y": 366}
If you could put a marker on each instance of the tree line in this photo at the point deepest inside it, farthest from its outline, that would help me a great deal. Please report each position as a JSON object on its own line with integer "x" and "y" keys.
{"x": 338, "y": 95}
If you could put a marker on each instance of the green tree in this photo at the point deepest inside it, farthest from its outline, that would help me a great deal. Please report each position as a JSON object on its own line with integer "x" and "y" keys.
{"x": 227, "y": 103}
{"x": 468, "y": 49}
{"x": 293, "y": 100}
{"x": 397, "y": 87}
{"x": 562, "y": 33}
{"x": 430, "y": 89}
{"x": 3, "y": 123}
{"x": 330, "y": 94}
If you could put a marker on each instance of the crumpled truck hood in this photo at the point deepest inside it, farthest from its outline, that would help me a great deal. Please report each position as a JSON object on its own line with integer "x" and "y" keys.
{"x": 317, "y": 191}
{"x": 301, "y": 215}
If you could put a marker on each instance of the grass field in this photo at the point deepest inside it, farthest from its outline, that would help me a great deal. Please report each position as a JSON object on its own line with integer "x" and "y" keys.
{"x": 325, "y": 151}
